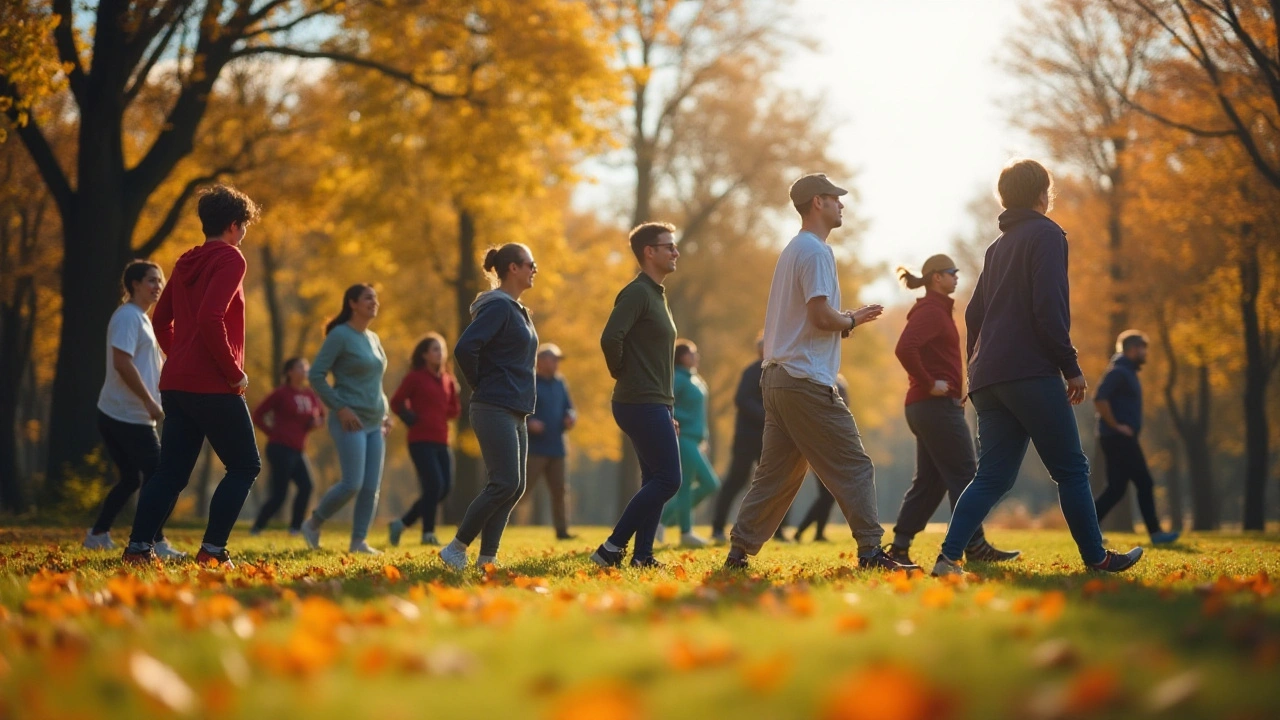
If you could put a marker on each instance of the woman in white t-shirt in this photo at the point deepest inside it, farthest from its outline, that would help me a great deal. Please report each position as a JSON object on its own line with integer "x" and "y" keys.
{"x": 128, "y": 407}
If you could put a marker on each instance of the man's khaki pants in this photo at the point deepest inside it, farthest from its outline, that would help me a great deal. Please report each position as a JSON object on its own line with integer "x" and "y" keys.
{"x": 553, "y": 470}
{"x": 807, "y": 424}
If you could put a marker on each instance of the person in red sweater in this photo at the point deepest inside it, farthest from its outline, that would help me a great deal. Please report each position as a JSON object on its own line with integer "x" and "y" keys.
{"x": 286, "y": 416}
{"x": 199, "y": 324}
{"x": 929, "y": 350}
{"x": 426, "y": 401}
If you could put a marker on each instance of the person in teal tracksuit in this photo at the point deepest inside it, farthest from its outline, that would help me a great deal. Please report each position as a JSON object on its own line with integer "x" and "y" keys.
{"x": 699, "y": 480}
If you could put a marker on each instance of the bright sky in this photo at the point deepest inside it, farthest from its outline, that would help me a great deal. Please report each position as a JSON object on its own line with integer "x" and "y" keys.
{"x": 915, "y": 86}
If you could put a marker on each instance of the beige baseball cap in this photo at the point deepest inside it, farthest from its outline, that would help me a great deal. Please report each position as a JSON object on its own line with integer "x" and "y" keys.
{"x": 551, "y": 349}
{"x": 937, "y": 263}
{"x": 811, "y": 186}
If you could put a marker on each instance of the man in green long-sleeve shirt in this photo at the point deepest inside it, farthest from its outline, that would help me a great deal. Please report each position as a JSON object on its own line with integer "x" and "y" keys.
{"x": 639, "y": 343}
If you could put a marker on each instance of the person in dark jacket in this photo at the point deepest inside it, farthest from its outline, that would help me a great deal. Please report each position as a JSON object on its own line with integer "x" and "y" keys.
{"x": 929, "y": 350}
{"x": 496, "y": 354}
{"x": 288, "y": 415}
{"x": 748, "y": 440}
{"x": 639, "y": 344}
{"x": 1019, "y": 344}
{"x": 1119, "y": 405}
{"x": 199, "y": 324}
{"x": 552, "y": 418}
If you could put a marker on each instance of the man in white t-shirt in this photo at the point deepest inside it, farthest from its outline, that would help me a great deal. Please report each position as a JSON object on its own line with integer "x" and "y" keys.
{"x": 806, "y": 420}
{"x": 128, "y": 405}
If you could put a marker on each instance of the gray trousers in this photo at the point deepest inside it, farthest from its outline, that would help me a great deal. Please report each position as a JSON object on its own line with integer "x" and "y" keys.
{"x": 945, "y": 463}
{"x": 504, "y": 445}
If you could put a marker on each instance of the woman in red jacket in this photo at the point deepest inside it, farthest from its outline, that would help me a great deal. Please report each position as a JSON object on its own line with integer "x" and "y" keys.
{"x": 426, "y": 401}
{"x": 286, "y": 416}
{"x": 929, "y": 350}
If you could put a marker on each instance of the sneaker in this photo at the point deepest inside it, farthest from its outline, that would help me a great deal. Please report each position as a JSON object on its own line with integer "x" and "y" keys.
{"x": 944, "y": 567}
{"x": 363, "y": 548}
{"x": 719, "y": 538}
{"x": 986, "y": 552}
{"x": 780, "y": 537}
{"x": 456, "y": 559}
{"x": 140, "y": 557}
{"x": 1165, "y": 538}
{"x": 295, "y": 532}
{"x": 732, "y": 562}
{"x": 166, "y": 551}
{"x": 255, "y": 532}
{"x": 430, "y": 539}
{"x": 608, "y": 558}
{"x": 660, "y": 536}
{"x": 648, "y": 563}
{"x": 881, "y": 561}
{"x": 100, "y": 541}
{"x": 566, "y": 536}
{"x": 690, "y": 540}
{"x": 1116, "y": 562}
{"x": 395, "y": 531}
{"x": 820, "y": 538}
{"x": 311, "y": 533}
{"x": 900, "y": 555}
{"x": 205, "y": 559}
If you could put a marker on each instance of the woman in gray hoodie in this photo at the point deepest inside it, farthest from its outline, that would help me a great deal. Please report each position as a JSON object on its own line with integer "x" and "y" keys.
{"x": 497, "y": 354}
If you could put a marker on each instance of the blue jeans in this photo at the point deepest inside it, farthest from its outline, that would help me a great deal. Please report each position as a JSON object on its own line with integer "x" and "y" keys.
{"x": 190, "y": 419}
{"x": 434, "y": 464}
{"x": 654, "y": 437}
{"x": 360, "y": 455}
{"x": 1009, "y": 415}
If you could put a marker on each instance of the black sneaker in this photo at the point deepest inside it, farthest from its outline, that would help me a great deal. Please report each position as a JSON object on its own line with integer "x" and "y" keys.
{"x": 566, "y": 536}
{"x": 140, "y": 557}
{"x": 900, "y": 555}
{"x": 608, "y": 558}
{"x": 648, "y": 563}
{"x": 735, "y": 563}
{"x": 882, "y": 561}
{"x": 1116, "y": 562}
{"x": 221, "y": 560}
{"x": 986, "y": 552}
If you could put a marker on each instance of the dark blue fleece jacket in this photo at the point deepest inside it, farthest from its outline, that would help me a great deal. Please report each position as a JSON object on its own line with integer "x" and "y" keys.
{"x": 497, "y": 353}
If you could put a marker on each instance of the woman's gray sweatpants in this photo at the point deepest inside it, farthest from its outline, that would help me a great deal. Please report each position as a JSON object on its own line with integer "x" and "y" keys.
{"x": 504, "y": 446}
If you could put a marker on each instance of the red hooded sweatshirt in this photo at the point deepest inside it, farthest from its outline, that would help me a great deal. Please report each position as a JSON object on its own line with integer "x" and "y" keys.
{"x": 199, "y": 321}
{"x": 929, "y": 348}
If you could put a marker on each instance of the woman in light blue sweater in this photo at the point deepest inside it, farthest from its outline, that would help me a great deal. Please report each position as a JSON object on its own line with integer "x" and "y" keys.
{"x": 358, "y": 419}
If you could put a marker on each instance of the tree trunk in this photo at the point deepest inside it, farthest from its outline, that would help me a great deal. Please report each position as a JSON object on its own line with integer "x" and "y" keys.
{"x": 467, "y": 480}
{"x": 1121, "y": 518}
{"x": 274, "y": 313}
{"x": 1173, "y": 481}
{"x": 17, "y": 323}
{"x": 1204, "y": 493}
{"x": 1256, "y": 376}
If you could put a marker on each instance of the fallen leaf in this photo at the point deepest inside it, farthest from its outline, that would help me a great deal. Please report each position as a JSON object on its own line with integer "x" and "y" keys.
{"x": 161, "y": 683}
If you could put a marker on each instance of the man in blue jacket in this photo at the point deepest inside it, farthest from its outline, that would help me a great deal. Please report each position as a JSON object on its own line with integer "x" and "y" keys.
{"x": 1119, "y": 405}
{"x": 1020, "y": 352}
{"x": 553, "y": 416}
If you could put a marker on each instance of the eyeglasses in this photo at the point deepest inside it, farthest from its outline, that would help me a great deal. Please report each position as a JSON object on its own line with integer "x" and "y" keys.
{"x": 952, "y": 272}
{"x": 664, "y": 245}
{"x": 531, "y": 265}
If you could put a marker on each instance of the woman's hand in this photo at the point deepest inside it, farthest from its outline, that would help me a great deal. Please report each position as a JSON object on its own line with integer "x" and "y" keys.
{"x": 350, "y": 423}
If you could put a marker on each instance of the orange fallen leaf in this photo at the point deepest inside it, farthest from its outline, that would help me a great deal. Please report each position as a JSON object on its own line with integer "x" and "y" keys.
{"x": 886, "y": 692}
{"x": 391, "y": 572}
{"x": 766, "y": 676}
{"x": 851, "y": 623}
{"x": 1092, "y": 690}
{"x": 599, "y": 700}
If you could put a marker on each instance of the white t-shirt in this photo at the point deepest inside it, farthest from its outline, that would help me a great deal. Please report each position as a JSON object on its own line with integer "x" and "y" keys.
{"x": 130, "y": 330}
{"x": 805, "y": 270}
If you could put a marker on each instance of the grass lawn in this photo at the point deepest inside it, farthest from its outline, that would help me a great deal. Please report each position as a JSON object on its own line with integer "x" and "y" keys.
{"x": 1192, "y": 632}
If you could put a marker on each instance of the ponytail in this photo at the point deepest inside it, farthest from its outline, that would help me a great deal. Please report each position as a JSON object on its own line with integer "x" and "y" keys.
{"x": 911, "y": 281}
{"x": 352, "y": 294}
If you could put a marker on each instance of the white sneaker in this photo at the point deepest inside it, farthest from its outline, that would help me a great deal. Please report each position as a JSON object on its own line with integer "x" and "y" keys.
{"x": 101, "y": 541}
{"x": 660, "y": 537}
{"x": 456, "y": 559}
{"x": 689, "y": 540}
{"x": 311, "y": 533}
{"x": 362, "y": 548}
{"x": 944, "y": 567}
{"x": 165, "y": 551}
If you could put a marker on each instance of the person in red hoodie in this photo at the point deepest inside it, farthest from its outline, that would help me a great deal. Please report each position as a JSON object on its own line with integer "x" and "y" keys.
{"x": 929, "y": 350}
{"x": 286, "y": 416}
{"x": 426, "y": 401}
{"x": 199, "y": 324}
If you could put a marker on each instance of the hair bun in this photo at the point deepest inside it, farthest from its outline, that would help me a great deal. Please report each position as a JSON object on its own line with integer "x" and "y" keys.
{"x": 491, "y": 259}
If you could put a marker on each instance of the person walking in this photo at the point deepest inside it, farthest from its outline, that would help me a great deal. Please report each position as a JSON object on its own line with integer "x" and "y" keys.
{"x": 128, "y": 404}
{"x": 698, "y": 477}
{"x": 426, "y": 401}
{"x": 806, "y": 421}
{"x": 358, "y": 418}
{"x": 639, "y": 342}
{"x": 553, "y": 416}
{"x": 288, "y": 415}
{"x": 1020, "y": 353}
{"x": 199, "y": 324}
{"x": 496, "y": 354}
{"x": 1119, "y": 405}
{"x": 929, "y": 350}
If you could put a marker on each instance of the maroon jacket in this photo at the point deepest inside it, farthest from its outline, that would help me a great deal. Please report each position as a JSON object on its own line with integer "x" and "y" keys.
{"x": 294, "y": 413}
{"x": 434, "y": 399}
{"x": 929, "y": 348}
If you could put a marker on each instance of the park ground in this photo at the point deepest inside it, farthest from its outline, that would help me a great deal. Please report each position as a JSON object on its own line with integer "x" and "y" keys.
{"x": 1193, "y": 632}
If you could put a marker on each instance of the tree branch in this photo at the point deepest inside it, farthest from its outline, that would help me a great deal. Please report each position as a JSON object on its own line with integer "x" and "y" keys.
{"x": 140, "y": 79}
{"x": 41, "y": 152}
{"x": 64, "y": 36}
{"x": 174, "y": 215}
{"x": 354, "y": 60}
{"x": 324, "y": 9}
